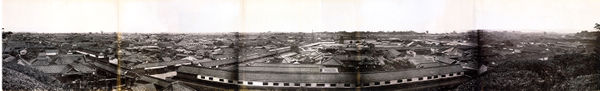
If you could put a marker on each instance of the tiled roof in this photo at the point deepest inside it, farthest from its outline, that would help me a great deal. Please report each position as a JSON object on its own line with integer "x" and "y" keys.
{"x": 300, "y": 77}
{"x": 218, "y": 62}
{"x": 393, "y": 52}
{"x": 283, "y": 65}
{"x": 179, "y": 86}
{"x": 273, "y": 76}
{"x": 70, "y": 58}
{"x": 154, "y": 80}
{"x": 107, "y": 67}
{"x": 53, "y": 69}
{"x": 445, "y": 60}
{"x": 169, "y": 63}
{"x": 201, "y": 61}
{"x": 9, "y": 59}
{"x": 419, "y": 59}
{"x": 281, "y": 69}
{"x": 82, "y": 68}
{"x": 144, "y": 87}
{"x": 404, "y": 74}
{"x": 429, "y": 65}
{"x": 352, "y": 57}
{"x": 135, "y": 58}
{"x": 333, "y": 62}
{"x": 41, "y": 61}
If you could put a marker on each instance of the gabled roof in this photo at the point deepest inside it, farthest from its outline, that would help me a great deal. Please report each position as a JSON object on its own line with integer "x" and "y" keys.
{"x": 419, "y": 59}
{"x": 144, "y": 87}
{"x": 444, "y": 60}
{"x": 41, "y": 61}
{"x": 281, "y": 69}
{"x": 393, "y": 52}
{"x": 154, "y": 80}
{"x": 218, "y": 62}
{"x": 333, "y": 62}
{"x": 452, "y": 51}
{"x": 82, "y": 68}
{"x": 448, "y": 50}
{"x": 201, "y": 61}
{"x": 23, "y": 62}
{"x": 179, "y": 86}
{"x": 92, "y": 50}
{"x": 352, "y": 57}
{"x": 429, "y": 65}
{"x": 169, "y": 63}
{"x": 284, "y": 65}
{"x": 9, "y": 59}
{"x": 107, "y": 67}
{"x": 136, "y": 58}
{"x": 53, "y": 69}
{"x": 70, "y": 58}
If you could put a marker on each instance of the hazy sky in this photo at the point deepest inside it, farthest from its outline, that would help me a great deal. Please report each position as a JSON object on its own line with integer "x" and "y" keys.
{"x": 298, "y": 15}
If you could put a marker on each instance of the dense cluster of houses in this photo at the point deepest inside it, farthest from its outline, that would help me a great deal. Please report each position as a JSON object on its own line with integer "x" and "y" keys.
{"x": 182, "y": 61}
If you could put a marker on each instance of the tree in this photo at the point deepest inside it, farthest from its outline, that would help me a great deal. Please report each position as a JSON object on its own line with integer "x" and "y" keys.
{"x": 295, "y": 48}
{"x": 231, "y": 45}
{"x": 597, "y": 26}
{"x": 6, "y": 34}
{"x": 218, "y": 43}
{"x": 597, "y": 43}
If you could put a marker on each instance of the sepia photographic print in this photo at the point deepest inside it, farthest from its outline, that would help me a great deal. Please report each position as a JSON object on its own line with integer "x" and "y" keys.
{"x": 300, "y": 45}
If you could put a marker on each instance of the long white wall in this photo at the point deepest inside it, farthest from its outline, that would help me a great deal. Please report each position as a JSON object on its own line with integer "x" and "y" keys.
{"x": 328, "y": 85}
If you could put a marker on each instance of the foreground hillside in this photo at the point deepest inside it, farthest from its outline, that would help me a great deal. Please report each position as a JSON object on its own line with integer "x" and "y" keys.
{"x": 565, "y": 72}
{"x": 19, "y": 77}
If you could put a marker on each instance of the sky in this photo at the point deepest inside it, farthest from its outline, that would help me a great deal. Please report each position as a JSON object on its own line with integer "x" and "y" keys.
{"x": 436, "y": 16}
